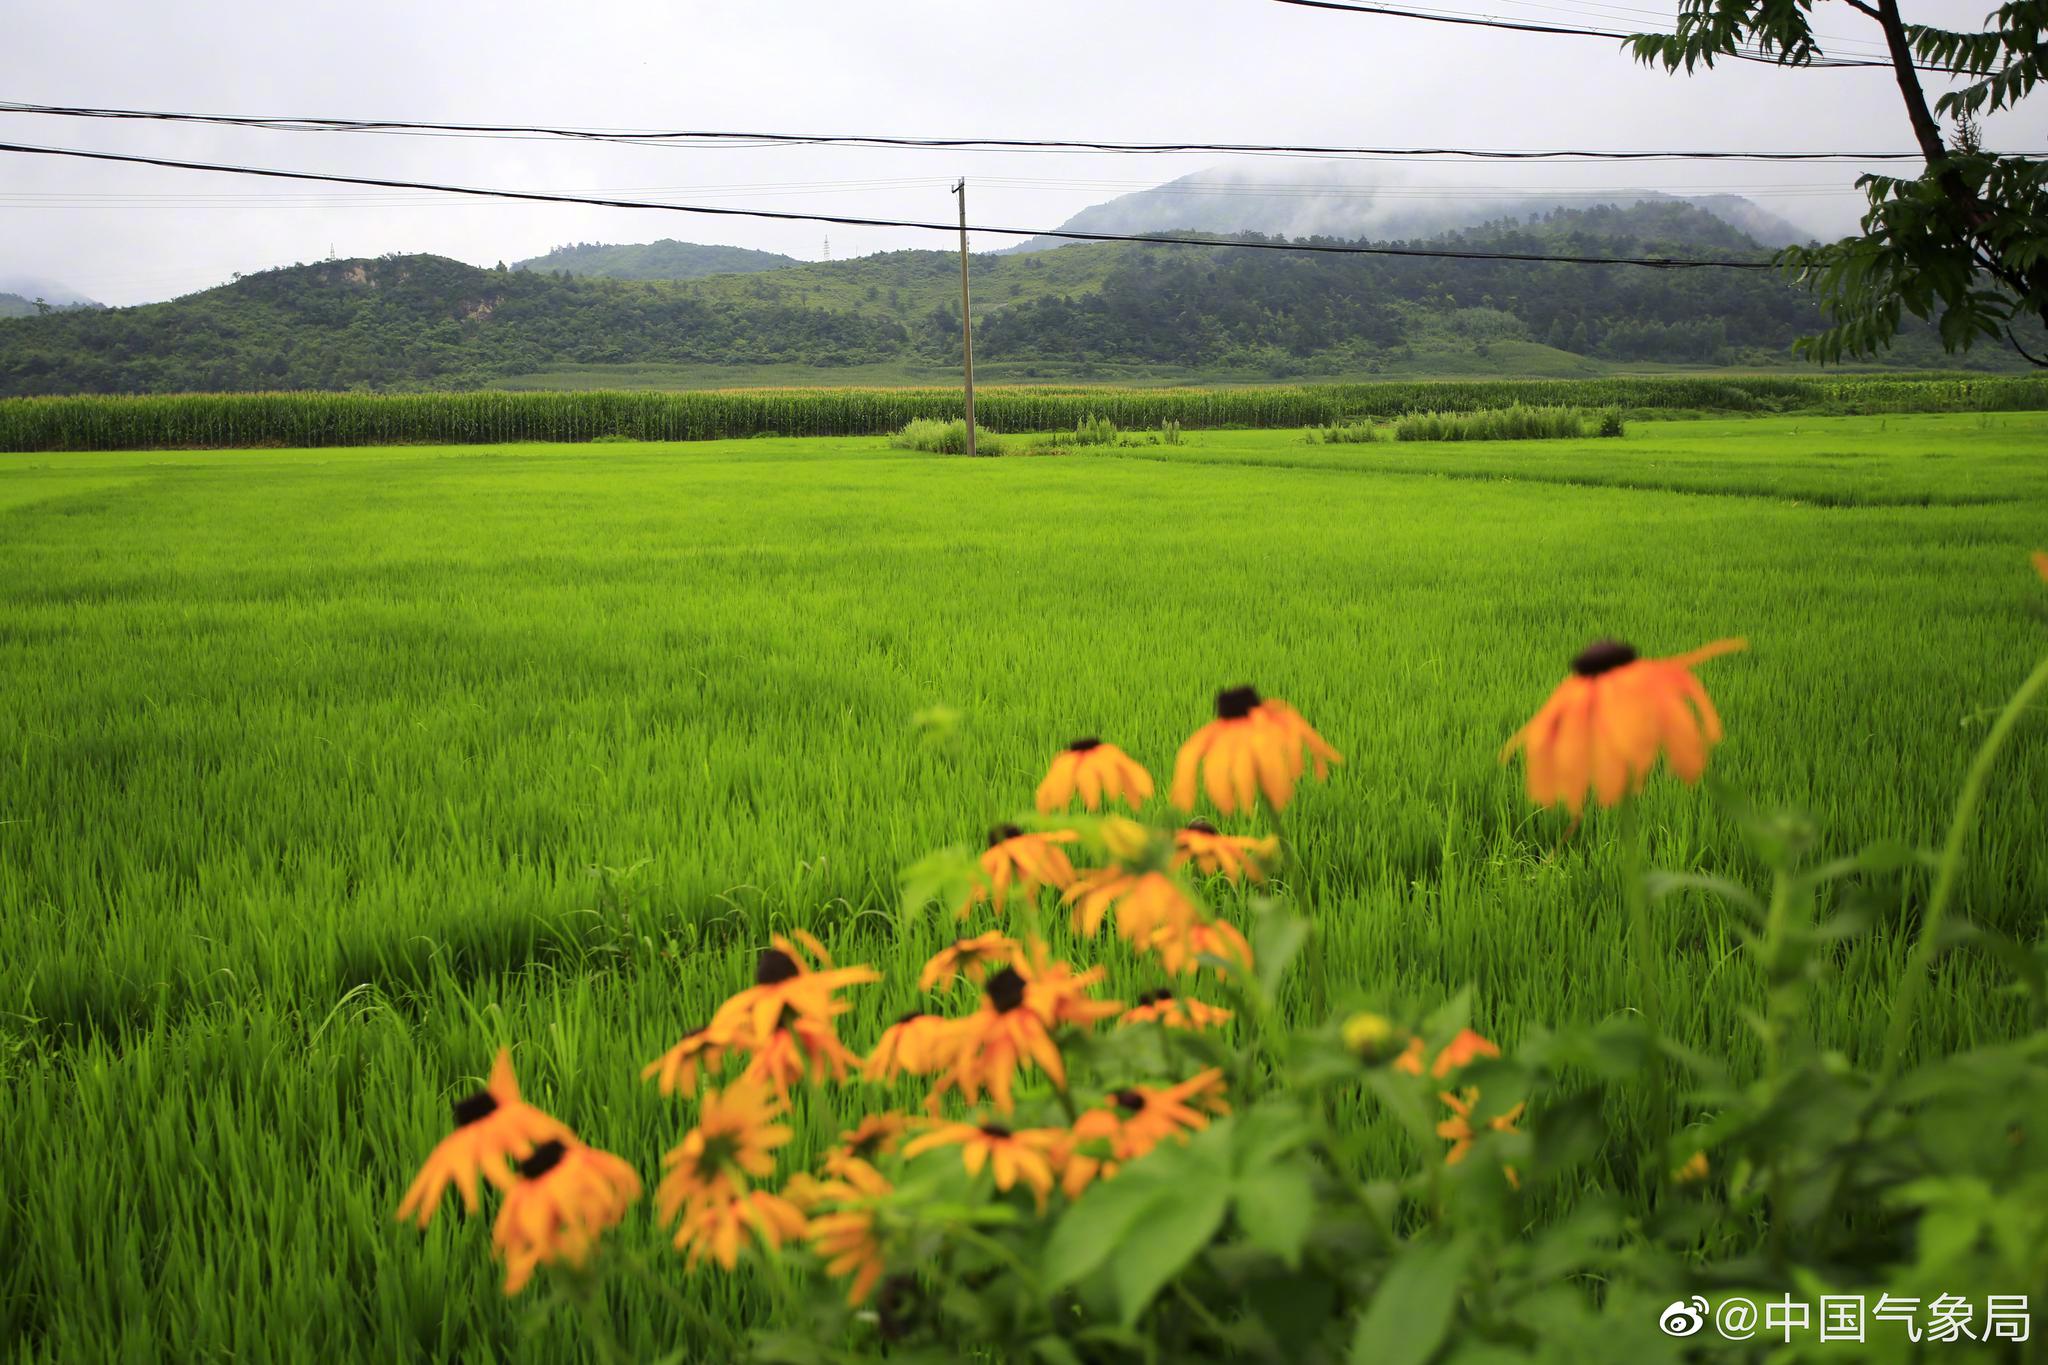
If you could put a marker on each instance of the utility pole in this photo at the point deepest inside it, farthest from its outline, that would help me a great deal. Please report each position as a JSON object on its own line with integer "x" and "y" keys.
{"x": 966, "y": 322}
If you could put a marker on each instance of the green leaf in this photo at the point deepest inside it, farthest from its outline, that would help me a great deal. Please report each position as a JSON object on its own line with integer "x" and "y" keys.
{"x": 1102, "y": 1218}
{"x": 1175, "y": 1232}
{"x": 1276, "y": 939}
{"x": 1411, "y": 1312}
{"x": 1276, "y": 1206}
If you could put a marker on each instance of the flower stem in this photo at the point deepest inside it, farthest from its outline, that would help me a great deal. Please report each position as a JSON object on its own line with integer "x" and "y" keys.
{"x": 1960, "y": 826}
{"x": 1644, "y": 949}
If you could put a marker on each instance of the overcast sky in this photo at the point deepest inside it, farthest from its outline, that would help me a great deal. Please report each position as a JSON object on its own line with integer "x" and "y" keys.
{"x": 1201, "y": 70}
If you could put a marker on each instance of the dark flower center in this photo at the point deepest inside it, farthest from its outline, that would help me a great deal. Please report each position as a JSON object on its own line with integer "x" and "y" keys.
{"x": 994, "y": 1130}
{"x": 1602, "y": 656}
{"x": 1006, "y": 989}
{"x": 1236, "y": 703}
{"x": 896, "y": 1305}
{"x": 910, "y": 1015}
{"x": 545, "y": 1158}
{"x": 1154, "y": 997}
{"x": 480, "y": 1105}
{"x": 1082, "y": 746}
{"x": 1001, "y": 833}
{"x": 775, "y": 967}
{"x": 1129, "y": 1099}
{"x": 1199, "y": 827}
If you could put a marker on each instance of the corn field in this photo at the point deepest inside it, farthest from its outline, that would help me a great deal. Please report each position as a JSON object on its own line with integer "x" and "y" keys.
{"x": 173, "y": 421}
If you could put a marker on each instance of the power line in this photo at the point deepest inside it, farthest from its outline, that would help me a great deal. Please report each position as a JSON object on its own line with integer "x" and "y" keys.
{"x": 1751, "y": 54}
{"x": 784, "y": 215}
{"x": 715, "y": 138}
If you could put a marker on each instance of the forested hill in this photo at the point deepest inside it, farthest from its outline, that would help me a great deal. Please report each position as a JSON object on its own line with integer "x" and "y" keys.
{"x": 662, "y": 260}
{"x": 412, "y": 322}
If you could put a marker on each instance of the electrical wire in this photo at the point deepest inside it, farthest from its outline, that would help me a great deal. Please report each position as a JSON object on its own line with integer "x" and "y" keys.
{"x": 1067, "y": 234}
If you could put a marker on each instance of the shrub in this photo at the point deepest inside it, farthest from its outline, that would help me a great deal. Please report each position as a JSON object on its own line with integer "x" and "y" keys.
{"x": 1611, "y": 423}
{"x": 1342, "y": 434}
{"x": 1518, "y": 423}
{"x": 945, "y": 438}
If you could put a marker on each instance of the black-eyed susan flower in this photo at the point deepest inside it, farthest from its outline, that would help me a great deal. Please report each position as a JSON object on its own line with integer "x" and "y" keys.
{"x": 989, "y": 1046}
{"x": 1458, "y": 1130}
{"x": 800, "y": 1045}
{"x": 917, "y": 1044}
{"x": 2041, "y": 564}
{"x": 1022, "y": 860}
{"x": 1144, "y": 902}
{"x": 1099, "y": 772}
{"x": 1255, "y": 745}
{"x": 1463, "y": 1050}
{"x": 493, "y": 1128}
{"x": 1013, "y": 1157}
{"x": 678, "y": 1068}
{"x": 1240, "y": 857}
{"x": 567, "y": 1194}
{"x": 787, "y": 977}
{"x": 720, "y": 1226}
{"x": 1168, "y": 1010}
{"x": 874, "y": 1136}
{"x": 1182, "y": 948}
{"x": 734, "y": 1141}
{"x": 1134, "y": 1120}
{"x": 843, "y": 1230}
{"x": 1079, "y": 1162}
{"x": 967, "y": 957}
{"x": 1604, "y": 727}
{"x": 1058, "y": 994}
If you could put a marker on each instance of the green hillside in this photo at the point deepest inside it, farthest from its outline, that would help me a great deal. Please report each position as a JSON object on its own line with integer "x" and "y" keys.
{"x": 1099, "y": 310}
{"x": 662, "y": 260}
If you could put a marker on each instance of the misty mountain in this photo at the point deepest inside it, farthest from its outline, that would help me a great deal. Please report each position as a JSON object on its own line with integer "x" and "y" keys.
{"x": 663, "y": 260}
{"x": 16, "y": 306}
{"x": 27, "y": 288}
{"x": 1343, "y": 200}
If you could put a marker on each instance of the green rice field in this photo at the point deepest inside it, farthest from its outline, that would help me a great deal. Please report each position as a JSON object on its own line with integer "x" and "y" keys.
{"x": 323, "y": 772}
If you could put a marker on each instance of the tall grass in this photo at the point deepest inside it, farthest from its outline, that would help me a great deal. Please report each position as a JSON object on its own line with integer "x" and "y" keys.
{"x": 1522, "y": 422}
{"x": 329, "y": 419}
{"x": 945, "y": 438}
{"x": 321, "y": 778}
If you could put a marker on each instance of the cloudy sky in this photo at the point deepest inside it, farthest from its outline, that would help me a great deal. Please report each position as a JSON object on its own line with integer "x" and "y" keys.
{"x": 1152, "y": 70}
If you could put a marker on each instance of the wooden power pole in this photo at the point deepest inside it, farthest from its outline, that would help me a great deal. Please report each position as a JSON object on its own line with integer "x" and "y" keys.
{"x": 966, "y": 322}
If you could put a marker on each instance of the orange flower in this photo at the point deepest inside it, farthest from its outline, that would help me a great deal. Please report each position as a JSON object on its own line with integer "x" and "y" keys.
{"x": 1168, "y": 1010}
{"x": 719, "y": 1226}
{"x": 915, "y": 1045}
{"x": 1253, "y": 746}
{"x": 968, "y": 957}
{"x": 1458, "y": 1131}
{"x": 1134, "y": 1120}
{"x": 990, "y": 1045}
{"x": 1097, "y": 771}
{"x": 678, "y": 1067}
{"x": 798, "y": 1044}
{"x": 2041, "y": 564}
{"x": 1058, "y": 994}
{"x": 783, "y": 980}
{"x": 1236, "y": 856}
{"x": 1181, "y": 948}
{"x": 734, "y": 1140}
{"x": 1024, "y": 859}
{"x": 1604, "y": 726}
{"x": 846, "y": 1240}
{"x": 1012, "y": 1156}
{"x": 1144, "y": 902}
{"x": 493, "y": 1128}
{"x": 567, "y": 1195}
{"x": 873, "y": 1136}
{"x": 1457, "y": 1054}
{"x": 1076, "y": 1168}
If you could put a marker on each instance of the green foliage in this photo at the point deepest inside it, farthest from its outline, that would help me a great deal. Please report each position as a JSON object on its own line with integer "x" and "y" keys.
{"x": 1966, "y": 243}
{"x": 666, "y": 259}
{"x": 945, "y": 438}
{"x": 1092, "y": 430}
